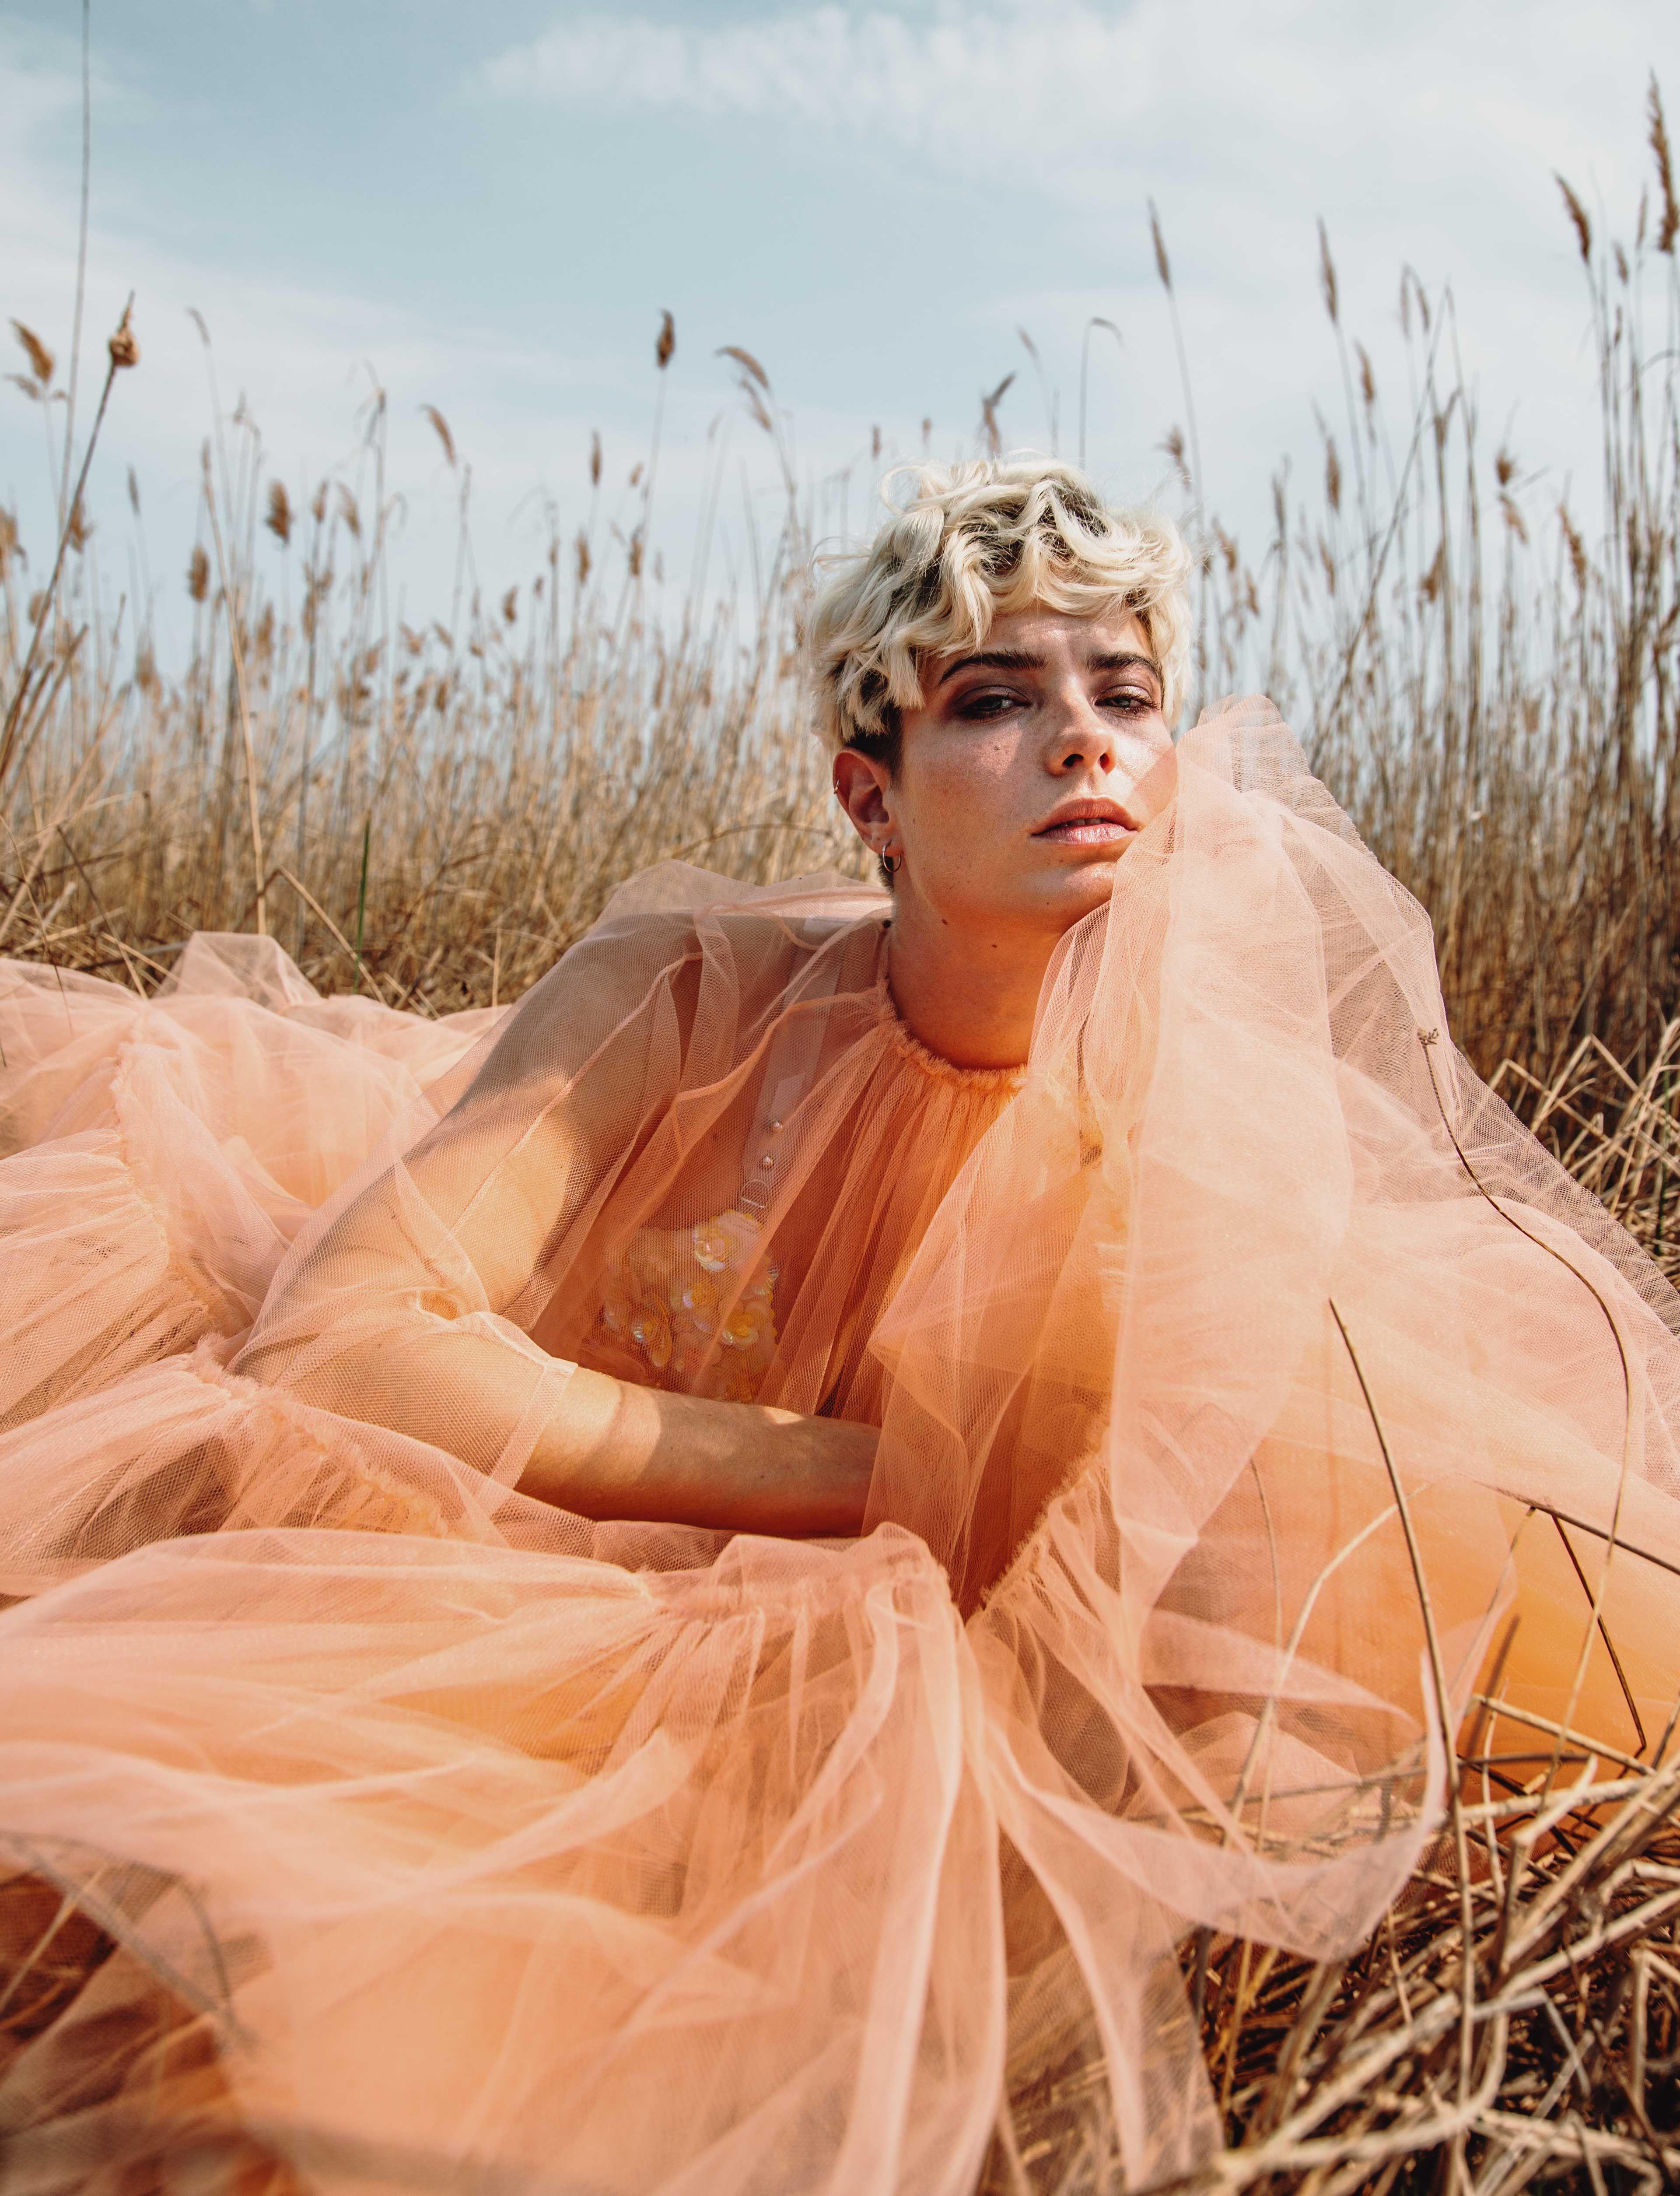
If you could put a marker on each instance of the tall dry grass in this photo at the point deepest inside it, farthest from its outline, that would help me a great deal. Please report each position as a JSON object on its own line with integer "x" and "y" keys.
{"x": 1490, "y": 687}
{"x": 433, "y": 810}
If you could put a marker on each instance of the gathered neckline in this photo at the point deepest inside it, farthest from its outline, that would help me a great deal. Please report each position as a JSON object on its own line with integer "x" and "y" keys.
{"x": 934, "y": 1064}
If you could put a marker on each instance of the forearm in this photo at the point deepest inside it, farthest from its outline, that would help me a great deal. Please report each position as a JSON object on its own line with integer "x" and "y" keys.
{"x": 602, "y": 1448}
{"x": 611, "y": 1449}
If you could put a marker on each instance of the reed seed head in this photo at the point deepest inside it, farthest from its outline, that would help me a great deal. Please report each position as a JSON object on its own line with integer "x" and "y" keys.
{"x": 1578, "y": 216}
{"x": 41, "y": 360}
{"x": 1162, "y": 265}
{"x": 748, "y": 365}
{"x": 441, "y": 427}
{"x": 991, "y": 431}
{"x": 1664, "y": 159}
{"x": 1577, "y": 548}
{"x": 279, "y": 520}
{"x": 1327, "y": 277}
{"x": 667, "y": 344}
{"x": 124, "y": 345}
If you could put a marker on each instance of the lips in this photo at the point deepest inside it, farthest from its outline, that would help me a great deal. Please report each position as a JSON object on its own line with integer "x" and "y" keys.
{"x": 1088, "y": 824}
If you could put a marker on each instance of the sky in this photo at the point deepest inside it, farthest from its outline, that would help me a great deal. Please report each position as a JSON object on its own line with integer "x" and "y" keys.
{"x": 488, "y": 209}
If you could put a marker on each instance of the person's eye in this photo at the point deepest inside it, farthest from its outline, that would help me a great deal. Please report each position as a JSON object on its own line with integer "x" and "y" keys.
{"x": 1130, "y": 700}
{"x": 988, "y": 702}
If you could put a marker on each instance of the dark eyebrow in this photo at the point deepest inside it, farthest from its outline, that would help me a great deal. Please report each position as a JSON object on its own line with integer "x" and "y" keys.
{"x": 1023, "y": 659}
{"x": 994, "y": 659}
{"x": 1123, "y": 660}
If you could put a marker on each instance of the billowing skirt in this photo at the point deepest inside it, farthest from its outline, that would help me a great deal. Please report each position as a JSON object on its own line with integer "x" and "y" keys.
{"x": 358, "y": 1814}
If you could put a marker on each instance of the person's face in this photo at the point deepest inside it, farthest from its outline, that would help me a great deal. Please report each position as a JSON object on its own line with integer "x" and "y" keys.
{"x": 1021, "y": 781}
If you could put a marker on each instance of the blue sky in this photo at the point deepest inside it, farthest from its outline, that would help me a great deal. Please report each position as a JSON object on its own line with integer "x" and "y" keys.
{"x": 488, "y": 208}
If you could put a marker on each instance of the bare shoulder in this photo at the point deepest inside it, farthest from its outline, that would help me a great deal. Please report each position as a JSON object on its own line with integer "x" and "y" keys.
{"x": 664, "y": 943}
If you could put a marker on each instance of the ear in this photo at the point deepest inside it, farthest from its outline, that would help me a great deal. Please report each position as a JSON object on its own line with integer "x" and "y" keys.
{"x": 863, "y": 785}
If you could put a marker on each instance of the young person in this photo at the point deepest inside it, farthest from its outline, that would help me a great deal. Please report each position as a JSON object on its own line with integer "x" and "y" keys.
{"x": 684, "y": 1595}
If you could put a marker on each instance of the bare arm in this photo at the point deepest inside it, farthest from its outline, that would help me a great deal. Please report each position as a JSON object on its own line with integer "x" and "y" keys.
{"x": 613, "y": 1450}
{"x": 398, "y": 1315}
{"x": 602, "y": 1448}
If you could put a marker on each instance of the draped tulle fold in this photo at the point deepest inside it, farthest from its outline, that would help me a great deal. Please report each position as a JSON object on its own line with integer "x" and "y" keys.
{"x": 1247, "y": 1380}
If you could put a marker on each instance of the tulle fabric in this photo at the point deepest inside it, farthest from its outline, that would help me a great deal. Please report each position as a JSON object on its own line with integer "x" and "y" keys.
{"x": 1248, "y": 1383}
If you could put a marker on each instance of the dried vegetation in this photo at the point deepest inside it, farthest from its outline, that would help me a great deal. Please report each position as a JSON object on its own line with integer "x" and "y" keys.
{"x": 1515, "y": 2020}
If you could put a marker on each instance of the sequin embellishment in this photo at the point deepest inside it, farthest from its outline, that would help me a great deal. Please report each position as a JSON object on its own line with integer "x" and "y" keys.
{"x": 697, "y": 1307}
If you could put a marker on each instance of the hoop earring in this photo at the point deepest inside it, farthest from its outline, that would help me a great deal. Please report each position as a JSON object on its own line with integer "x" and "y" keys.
{"x": 892, "y": 863}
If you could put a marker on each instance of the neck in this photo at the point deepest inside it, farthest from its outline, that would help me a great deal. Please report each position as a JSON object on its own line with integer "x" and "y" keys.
{"x": 969, "y": 995}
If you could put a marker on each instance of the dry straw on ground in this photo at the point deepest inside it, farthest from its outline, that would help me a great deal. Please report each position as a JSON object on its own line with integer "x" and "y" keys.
{"x": 1515, "y": 2018}
{"x": 1489, "y": 681}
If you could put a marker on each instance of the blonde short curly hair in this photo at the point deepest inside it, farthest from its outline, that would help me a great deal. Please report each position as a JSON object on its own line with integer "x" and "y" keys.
{"x": 969, "y": 543}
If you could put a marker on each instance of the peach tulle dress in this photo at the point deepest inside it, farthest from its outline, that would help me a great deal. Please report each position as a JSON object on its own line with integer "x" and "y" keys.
{"x": 431, "y": 1837}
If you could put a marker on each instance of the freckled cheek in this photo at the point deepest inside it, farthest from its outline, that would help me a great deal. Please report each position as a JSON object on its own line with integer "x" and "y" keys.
{"x": 967, "y": 816}
{"x": 977, "y": 786}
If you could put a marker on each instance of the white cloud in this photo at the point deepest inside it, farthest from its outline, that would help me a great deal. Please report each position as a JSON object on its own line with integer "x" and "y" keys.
{"x": 1055, "y": 92}
{"x": 1426, "y": 134}
{"x": 1015, "y": 66}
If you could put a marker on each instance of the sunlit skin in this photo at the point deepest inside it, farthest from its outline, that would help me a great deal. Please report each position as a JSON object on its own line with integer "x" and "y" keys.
{"x": 1028, "y": 771}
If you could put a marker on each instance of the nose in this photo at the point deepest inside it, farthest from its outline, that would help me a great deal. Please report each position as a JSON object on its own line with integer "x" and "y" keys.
{"x": 1080, "y": 738}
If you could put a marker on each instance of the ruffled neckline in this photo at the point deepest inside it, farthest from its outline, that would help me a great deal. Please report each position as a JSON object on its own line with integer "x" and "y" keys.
{"x": 981, "y": 1081}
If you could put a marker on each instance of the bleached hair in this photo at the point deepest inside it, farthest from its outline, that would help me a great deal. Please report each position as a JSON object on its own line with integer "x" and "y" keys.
{"x": 970, "y": 543}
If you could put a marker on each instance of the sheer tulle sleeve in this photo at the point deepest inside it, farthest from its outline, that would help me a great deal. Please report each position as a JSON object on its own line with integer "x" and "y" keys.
{"x": 446, "y": 1293}
{"x": 410, "y": 1304}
